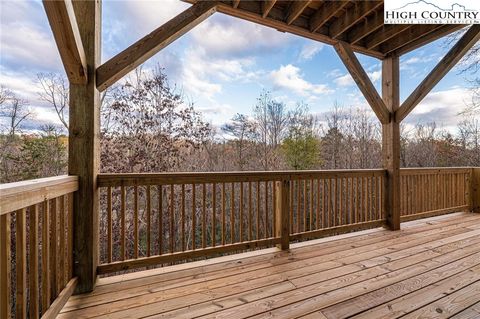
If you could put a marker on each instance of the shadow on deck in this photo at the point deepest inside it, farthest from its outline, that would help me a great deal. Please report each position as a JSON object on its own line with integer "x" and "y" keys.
{"x": 429, "y": 269}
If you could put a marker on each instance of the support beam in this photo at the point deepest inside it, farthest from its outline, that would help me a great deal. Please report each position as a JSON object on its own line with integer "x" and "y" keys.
{"x": 83, "y": 148}
{"x": 363, "y": 82}
{"x": 391, "y": 141}
{"x": 126, "y": 61}
{"x": 325, "y": 13}
{"x": 454, "y": 55}
{"x": 353, "y": 15}
{"x": 267, "y": 5}
{"x": 295, "y": 10}
{"x": 65, "y": 31}
{"x": 236, "y": 3}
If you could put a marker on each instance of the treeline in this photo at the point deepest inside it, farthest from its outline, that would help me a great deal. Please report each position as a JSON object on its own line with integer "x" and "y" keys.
{"x": 147, "y": 126}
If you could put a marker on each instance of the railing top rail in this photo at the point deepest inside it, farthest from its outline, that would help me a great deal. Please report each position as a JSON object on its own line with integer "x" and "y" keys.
{"x": 14, "y": 196}
{"x": 129, "y": 179}
{"x": 434, "y": 170}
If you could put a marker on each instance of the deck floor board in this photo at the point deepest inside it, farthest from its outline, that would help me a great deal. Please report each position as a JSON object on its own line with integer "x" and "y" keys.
{"x": 431, "y": 268}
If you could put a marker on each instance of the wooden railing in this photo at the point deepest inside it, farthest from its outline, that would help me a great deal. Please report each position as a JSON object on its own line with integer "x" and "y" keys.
{"x": 149, "y": 219}
{"x": 36, "y": 223}
{"x": 426, "y": 192}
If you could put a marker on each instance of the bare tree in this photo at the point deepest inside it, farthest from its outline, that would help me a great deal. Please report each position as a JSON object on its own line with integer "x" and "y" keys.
{"x": 14, "y": 110}
{"x": 55, "y": 91}
{"x": 242, "y": 130}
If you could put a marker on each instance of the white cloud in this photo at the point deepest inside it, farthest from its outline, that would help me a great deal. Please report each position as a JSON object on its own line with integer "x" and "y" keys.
{"x": 226, "y": 36}
{"x": 288, "y": 77}
{"x": 309, "y": 50}
{"x": 441, "y": 107}
{"x": 347, "y": 80}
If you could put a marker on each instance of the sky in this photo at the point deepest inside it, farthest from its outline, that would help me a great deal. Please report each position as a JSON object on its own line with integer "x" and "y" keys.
{"x": 223, "y": 64}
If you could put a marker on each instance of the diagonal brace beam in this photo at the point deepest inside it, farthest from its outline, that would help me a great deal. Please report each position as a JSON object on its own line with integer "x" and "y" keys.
{"x": 127, "y": 60}
{"x": 63, "y": 23}
{"x": 466, "y": 42}
{"x": 360, "y": 77}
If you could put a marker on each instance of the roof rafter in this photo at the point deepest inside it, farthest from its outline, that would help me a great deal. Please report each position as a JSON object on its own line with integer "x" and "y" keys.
{"x": 385, "y": 33}
{"x": 432, "y": 36}
{"x": 127, "y": 60}
{"x": 360, "y": 77}
{"x": 63, "y": 23}
{"x": 325, "y": 13}
{"x": 454, "y": 55}
{"x": 267, "y": 5}
{"x": 236, "y": 3}
{"x": 296, "y": 9}
{"x": 407, "y": 36}
{"x": 360, "y": 10}
{"x": 368, "y": 26}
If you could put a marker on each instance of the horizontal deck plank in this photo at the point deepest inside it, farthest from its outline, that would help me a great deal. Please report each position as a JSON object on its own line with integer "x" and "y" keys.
{"x": 334, "y": 277}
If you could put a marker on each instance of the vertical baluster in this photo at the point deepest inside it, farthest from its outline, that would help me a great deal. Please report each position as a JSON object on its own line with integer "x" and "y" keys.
{"x": 46, "y": 256}
{"x": 241, "y": 212}
{"x": 365, "y": 194}
{"x": 258, "y": 210}
{"x": 204, "y": 215}
{"x": 5, "y": 266}
{"x": 324, "y": 204}
{"x": 194, "y": 212}
{"x": 340, "y": 201}
{"x": 350, "y": 200}
{"x": 123, "y": 227}
{"x": 291, "y": 206}
{"x": 33, "y": 264}
{"x": 183, "y": 217}
{"x": 297, "y": 219}
{"x": 266, "y": 209}
{"x": 70, "y": 236}
{"x": 53, "y": 248}
{"x": 317, "y": 220}
{"x": 109, "y": 224}
{"x": 335, "y": 198}
{"x": 304, "y": 228}
{"x": 223, "y": 213}
{"x": 232, "y": 214}
{"x": 135, "y": 222}
{"x": 214, "y": 213}
{"x": 21, "y": 264}
{"x": 61, "y": 249}
{"x": 249, "y": 211}
{"x": 274, "y": 205}
{"x": 160, "y": 219}
{"x": 149, "y": 220}
{"x": 172, "y": 232}
{"x": 311, "y": 205}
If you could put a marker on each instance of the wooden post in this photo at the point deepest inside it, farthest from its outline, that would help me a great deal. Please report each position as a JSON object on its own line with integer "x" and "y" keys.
{"x": 475, "y": 190}
{"x": 282, "y": 189}
{"x": 5, "y": 266}
{"x": 391, "y": 140}
{"x": 83, "y": 148}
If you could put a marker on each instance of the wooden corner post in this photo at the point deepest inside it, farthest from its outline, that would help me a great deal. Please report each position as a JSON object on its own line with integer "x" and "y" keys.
{"x": 475, "y": 190}
{"x": 391, "y": 140}
{"x": 282, "y": 218}
{"x": 83, "y": 148}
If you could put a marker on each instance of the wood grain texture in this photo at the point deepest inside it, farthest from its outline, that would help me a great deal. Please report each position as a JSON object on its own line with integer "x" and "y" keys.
{"x": 83, "y": 147}
{"x": 64, "y": 26}
{"x": 391, "y": 140}
{"x": 5, "y": 266}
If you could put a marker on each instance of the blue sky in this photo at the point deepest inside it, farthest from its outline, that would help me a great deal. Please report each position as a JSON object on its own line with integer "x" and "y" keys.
{"x": 223, "y": 64}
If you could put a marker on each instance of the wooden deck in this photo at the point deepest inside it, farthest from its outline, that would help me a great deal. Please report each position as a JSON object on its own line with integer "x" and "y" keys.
{"x": 429, "y": 269}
